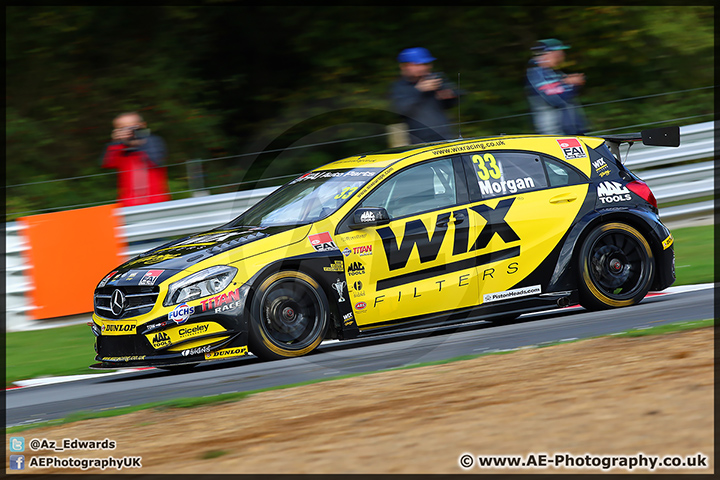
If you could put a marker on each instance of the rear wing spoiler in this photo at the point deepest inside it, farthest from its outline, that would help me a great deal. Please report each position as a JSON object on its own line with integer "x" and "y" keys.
{"x": 660, "y": 137}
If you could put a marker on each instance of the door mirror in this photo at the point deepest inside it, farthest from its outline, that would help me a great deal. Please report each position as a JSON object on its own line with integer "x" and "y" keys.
{"x": 369, "y": 217}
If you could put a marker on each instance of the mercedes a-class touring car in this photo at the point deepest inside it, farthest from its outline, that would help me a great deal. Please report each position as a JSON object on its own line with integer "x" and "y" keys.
{"x": 420, "y": 235}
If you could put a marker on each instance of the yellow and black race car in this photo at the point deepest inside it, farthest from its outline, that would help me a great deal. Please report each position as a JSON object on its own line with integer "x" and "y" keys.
{"x": 424, "y": 234}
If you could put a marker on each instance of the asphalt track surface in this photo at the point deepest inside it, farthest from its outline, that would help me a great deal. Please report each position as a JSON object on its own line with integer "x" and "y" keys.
{"x": 105, "y": 392}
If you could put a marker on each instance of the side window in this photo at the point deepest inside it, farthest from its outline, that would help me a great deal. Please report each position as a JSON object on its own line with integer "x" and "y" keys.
{"x": 428, "y": 186}
{"x": 560, "y": 174}
{"x": 496, "y": 174}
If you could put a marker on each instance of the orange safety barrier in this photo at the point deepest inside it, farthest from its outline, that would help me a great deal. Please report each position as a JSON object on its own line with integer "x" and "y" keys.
{"x": 70, "y": 252}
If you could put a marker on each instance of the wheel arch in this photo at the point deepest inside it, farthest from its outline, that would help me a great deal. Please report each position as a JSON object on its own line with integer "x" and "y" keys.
{"x": 566, "y": 275}
{"x": 304, "y": 266}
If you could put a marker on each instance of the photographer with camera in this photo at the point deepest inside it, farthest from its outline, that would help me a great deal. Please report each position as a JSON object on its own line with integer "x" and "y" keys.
{"x": 138, "y": 156}
{"x": 421, "y": 96}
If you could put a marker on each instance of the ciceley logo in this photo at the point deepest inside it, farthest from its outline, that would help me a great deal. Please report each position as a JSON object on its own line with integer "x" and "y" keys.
{"x": 416, "y": 236}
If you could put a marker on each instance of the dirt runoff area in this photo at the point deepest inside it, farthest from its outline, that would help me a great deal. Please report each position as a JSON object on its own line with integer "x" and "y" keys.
{"x": 612, "y": 397}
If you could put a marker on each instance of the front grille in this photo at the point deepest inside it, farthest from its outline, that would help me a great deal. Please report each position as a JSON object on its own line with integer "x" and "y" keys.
{"x": 138, "y": 301}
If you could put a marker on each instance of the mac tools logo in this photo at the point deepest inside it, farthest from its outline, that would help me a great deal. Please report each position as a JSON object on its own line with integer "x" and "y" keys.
{"x": 610, "y": 192}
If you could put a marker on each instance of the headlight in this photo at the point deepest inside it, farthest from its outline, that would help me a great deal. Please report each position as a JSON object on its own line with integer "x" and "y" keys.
{"x": 210, "y": 281}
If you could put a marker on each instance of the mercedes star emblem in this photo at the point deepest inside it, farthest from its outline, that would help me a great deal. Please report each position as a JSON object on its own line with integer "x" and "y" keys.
{"x": 117, "y": 303}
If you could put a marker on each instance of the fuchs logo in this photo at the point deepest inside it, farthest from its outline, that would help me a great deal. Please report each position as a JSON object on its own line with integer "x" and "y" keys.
{"x": 363, "y": 250}
{"x": 367, "y": 216}
{"x": 347, "y": 252}
{"x": 322, "y": 242}
{"x": 356, "y": 268}
{"x": 610, "y": 192}
{"x": 571, "y": 148}
{"x": 360, "y": 305}
{"x": 150, "y": 277}
{"x": 181, "y": 313}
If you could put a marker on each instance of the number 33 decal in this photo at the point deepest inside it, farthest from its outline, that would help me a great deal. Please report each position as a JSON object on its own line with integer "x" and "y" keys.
{"x": 481, "y": 162}
{"x": 346, "y": 192}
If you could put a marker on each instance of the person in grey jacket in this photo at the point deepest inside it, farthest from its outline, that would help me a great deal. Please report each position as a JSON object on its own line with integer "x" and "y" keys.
{"x": 552, "y": 95}
{"x": 421, "y": 96}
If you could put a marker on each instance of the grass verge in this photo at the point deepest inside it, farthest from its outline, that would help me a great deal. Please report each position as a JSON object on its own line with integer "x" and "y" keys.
{"x": 234, "y": 397}
{"x": 694, "y": 255}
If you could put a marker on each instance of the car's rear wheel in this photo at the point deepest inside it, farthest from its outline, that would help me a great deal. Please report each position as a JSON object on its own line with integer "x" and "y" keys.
{"x": 616, "y": 267}
{"x": 289, "y": 316}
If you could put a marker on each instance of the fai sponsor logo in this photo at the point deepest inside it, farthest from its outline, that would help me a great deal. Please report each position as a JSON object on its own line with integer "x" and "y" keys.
{"x": 322, "y": 242}
{"x": 150, "y": 277}
{"x": 181, "y": 313}
{"x": 571, "y": 148}
{"x": 509, "y": 294}
{"x": 611, "y": 192}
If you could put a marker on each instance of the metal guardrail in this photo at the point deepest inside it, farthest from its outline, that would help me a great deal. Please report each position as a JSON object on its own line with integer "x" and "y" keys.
{"x": 664, "y": 169}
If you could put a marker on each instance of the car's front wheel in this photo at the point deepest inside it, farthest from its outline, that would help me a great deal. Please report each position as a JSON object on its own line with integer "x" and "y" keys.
{"x": 289, "y": 316}
{"x": 616, "y": 267}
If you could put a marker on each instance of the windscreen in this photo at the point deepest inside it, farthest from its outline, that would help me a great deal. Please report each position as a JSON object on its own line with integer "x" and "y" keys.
{"x": 306, "y": 199}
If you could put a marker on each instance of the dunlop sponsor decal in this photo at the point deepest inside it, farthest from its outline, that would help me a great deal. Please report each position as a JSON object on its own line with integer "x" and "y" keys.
{"x": 667, "y": 242}
{"x": 118, "y": 328}
{"x": 226, "y": 353}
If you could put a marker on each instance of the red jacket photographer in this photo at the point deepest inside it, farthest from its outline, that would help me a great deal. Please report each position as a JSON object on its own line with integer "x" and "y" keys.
{"x": 138, "y": 157}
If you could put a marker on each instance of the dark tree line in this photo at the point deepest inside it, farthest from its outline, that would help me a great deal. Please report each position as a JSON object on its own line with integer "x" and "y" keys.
{"x": 222, "y": 80}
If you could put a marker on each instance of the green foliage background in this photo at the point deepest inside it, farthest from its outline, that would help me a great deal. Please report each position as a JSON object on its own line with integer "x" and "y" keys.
{"x": 221, "y": 81}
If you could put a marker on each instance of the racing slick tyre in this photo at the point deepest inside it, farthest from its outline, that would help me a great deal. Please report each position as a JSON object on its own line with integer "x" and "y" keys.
{"x": 616, "y": 267}
{"x": 289, "y": 316}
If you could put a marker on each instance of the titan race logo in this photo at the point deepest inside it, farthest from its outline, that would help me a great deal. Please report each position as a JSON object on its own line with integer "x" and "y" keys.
{"x": 428, "y": 246}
